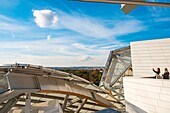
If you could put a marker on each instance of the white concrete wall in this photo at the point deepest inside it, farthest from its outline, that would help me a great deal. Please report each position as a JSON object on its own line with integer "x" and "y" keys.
{"x": 150, "y": 95}
{"x": 150, "y": 54}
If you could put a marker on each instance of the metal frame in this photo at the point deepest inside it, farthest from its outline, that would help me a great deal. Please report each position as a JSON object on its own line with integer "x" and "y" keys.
{"x": 42, "y": 82}
{"x": 113, "y": 81}
{"x": 9, "y": 104}
{"x": 131, "y": 2}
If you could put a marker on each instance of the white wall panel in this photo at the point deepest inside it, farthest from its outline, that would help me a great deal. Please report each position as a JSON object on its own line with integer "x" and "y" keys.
{"x": 150, "y": 95}
{"x": 164, "y": 104}
{"x": 165, "y": 97}
{"x": 165, "y": 90}
{"x": 162, "y": 110}
{"x": 149, "y": 88}
{"x": 166, "y": 83}
{"x": 150, "y": 54}
{"x": 146, "y": 94}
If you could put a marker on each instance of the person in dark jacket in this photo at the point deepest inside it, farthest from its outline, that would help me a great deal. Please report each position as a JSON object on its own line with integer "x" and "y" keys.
{"x": 166, "y": 74}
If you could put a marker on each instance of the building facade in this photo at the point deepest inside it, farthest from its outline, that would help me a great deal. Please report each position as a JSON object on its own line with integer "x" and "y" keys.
{"x": 143, "y": 94}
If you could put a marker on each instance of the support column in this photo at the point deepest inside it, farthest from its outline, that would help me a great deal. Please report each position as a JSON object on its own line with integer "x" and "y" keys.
{"x": 9, "y": 104}
{"x": 28, "y": 103}
{"x": 81, "y": 105}
{"x": 65, "y": 102}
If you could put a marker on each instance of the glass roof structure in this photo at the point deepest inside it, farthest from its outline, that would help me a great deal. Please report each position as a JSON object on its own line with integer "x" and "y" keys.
{"x": 21, "y": 82}
{"x": 118, "y": 62}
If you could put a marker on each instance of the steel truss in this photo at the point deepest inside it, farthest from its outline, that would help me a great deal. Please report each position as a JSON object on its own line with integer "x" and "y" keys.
{"x": 117, "y": 66}
{"x": 38, "y": 85}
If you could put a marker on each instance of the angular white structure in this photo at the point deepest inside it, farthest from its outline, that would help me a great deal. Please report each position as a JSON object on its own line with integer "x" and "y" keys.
{"x": 147, "y": 95}
{"x": 129, "y": 5}
{"x": 126, "y": 8}
{"x": 150, "y": 54}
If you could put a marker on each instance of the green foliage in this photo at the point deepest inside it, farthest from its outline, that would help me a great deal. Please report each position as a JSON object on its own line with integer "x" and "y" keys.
{"x": 90, "y": 75}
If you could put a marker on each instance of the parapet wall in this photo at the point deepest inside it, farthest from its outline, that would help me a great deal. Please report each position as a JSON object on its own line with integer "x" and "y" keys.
{"x": 147, "y": 95}
{"x": 150, "y": 54}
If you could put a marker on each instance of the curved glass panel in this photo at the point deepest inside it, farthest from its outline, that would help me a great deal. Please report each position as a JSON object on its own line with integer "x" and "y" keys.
{"x": 118, "y": 62}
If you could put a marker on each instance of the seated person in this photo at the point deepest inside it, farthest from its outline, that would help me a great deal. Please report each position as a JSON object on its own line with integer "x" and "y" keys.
{"x": 166, "y": 74}
{"x": 157, "y": 75}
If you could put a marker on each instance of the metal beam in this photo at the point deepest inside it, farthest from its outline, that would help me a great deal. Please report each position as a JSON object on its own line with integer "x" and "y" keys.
{"x": 84, "y": 108}
{"x": 73, "y": 101}
{"x": 162, "y": 4}
{"x": 65, "y": 102}
{"x": 28, "y": 103}
{"x": 32, "y": 100}
{"x": 9, "y": 104}
{"x": 70, "y": 101}
{"x": 81, "y": 105}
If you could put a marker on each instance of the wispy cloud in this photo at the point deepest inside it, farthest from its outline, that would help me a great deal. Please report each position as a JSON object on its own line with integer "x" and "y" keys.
{"x": 158, "y": 11}
{"x": 50, "y": 60}
{"x": 165, "y": 19}
{"x": 12, "y": 25}
{"x": 8, "y": 3}
{"x": 86, "y": 25}
{"x": 84, "y": 58}
{"x": 62, "y": 52}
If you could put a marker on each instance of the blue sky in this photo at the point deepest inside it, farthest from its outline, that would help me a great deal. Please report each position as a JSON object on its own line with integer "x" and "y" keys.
{"x": 68, "y": 33}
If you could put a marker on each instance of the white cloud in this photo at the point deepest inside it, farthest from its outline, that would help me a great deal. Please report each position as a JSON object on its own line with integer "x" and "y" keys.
{"x": 84, "y": 58}
{"x": 85, "y": 25}
{"x": 49, "y": 37}
{"x": 45, "y": 18}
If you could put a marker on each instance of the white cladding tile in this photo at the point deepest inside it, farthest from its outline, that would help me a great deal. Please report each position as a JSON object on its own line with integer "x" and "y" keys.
{"x": 165, "y": 40}
{"x": 148, "y": 94}
{"x": 130, "y": 97}
{"x": 146, "y": 107}
{"x": 152, "y": 95}
{"x": 153, "y": 89}
{"x": 152, "y": 82}
{"x": 164, "y": 97}
{"x": 165, "y": 90}
{"x": 148, "y": 101}
{"x": 131, "y": 85}
{"x": 152, "y": 53}
{"x": 130, "y": 80}
{"x": 164, "y": 104}
{"x": 166, "y": 83}
{"x": 162, "y": 110}
{"x": 132, "y": 91}
{"x": 163, "y": 47}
